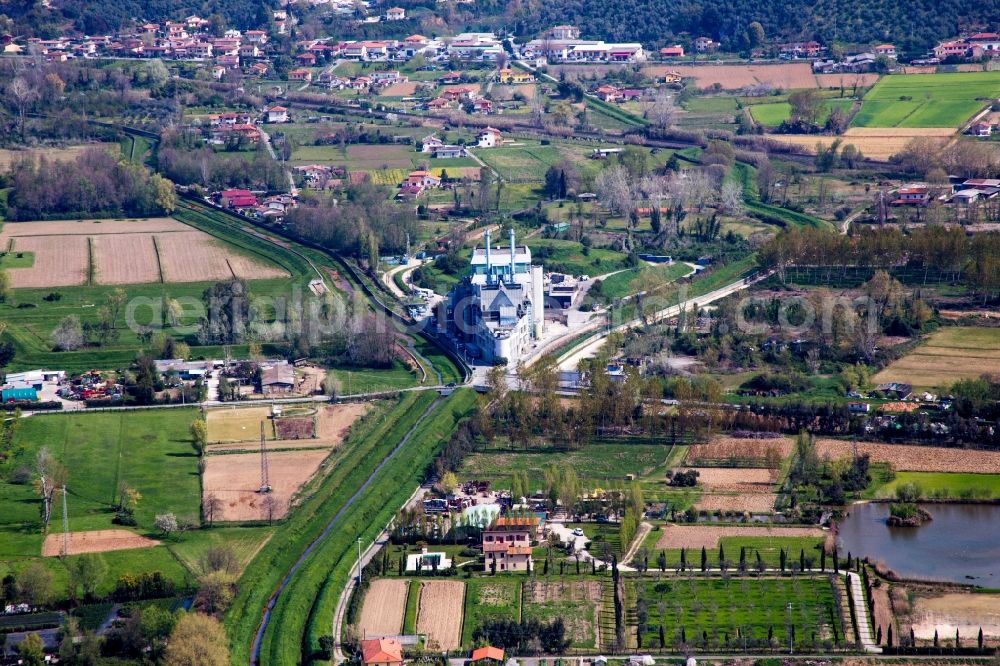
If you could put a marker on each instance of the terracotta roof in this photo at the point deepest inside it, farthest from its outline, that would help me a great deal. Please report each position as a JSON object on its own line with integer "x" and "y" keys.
{"x": 488, "y": 652}
{"x": 381, "y": 651}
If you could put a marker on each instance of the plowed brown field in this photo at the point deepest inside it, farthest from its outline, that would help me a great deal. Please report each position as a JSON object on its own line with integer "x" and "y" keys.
{"x": 235, "y": 479}
{"x": 125, "y": 259}
{"x": 383, "y": 609}
{"x": 95, "y": 541}
{"x": 439, "y": 613}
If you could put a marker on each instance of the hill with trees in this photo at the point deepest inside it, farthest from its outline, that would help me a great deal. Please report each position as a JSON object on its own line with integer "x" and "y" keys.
{"x": 913, "y": 26}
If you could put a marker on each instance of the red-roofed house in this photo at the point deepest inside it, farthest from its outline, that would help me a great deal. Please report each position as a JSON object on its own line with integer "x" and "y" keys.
{"x": 395, "y": 14}
{"x": 949, "y": 49}
{"x": 422, "y": 179}
{"x": 507, "y": 542}
{"x": 381, "y": 652}
{"x": 675, "y": 51}
{"x": 300, "y": 75}
{"x": 237, "y": 199}
{"x": 277, "y": 114}
{"x": 914, "y": 194}
{"x": 489, "y": 138}
{"x": 887, "y": 50}
{"x": 487, "y": 653}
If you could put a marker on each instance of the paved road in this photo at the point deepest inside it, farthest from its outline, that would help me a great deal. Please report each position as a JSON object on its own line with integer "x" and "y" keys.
{"x": 367, "y": 556}
{"x": 861, "y": 609}
{"x": 589, "y": 348}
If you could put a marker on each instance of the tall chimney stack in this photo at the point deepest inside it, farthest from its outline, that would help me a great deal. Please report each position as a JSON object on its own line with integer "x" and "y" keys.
{"x": 513, "y": 252}
{"x": 488, "y": 278}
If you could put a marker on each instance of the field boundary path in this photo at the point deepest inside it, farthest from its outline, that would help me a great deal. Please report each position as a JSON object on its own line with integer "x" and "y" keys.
{"x": 861, "y": 608}
{"x": 272, "y": 601}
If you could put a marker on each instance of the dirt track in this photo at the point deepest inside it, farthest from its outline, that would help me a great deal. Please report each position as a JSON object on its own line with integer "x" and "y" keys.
{"x": 96, "y": 541}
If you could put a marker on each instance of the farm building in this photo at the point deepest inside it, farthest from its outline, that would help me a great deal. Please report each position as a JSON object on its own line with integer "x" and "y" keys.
{"x": 36, "y": 377}
{"x": 276, "y": 379}
{"x": 186, "y": 370}
{"x": 381, "y": 652}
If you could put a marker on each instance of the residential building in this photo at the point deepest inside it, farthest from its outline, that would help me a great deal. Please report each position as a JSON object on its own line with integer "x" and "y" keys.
{"x": 563, "y": 32}
{"x": 448, "y": 152}
{"x": 675, "y": 51}
{"x": 887, "y": 50}
{"x": 381, "y": 652}
{"x": 492, "y": 656}
{"x": 421, "y": 179}
{"x": 489, "y": 138}
{"x": 237, "y": 198}
{"x": 809, "y": 49}
{"x": 507, "y": 543}
{"x": 430, "y": 143}
{"x": 300, "y": 75}
{"x": 913, "y": 194}
{"x": 395, "y": 14}
{"x": 277, "y": 114}
{"x": 498, "y": 311}
{"x": 514, "y": 76}
{"x": 705, "y": 44}
{"x": 951, "y": 49}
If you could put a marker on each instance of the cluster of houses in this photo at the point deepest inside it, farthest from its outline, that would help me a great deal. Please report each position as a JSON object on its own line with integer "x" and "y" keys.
{"x": 961, "y": 191}
{"x": 190, "y": 39}
{"x": 469, "y": 46}
{"x": 970, "y": 47}
{"x": 563, "y": 44}
{"x": 270, "y": 208}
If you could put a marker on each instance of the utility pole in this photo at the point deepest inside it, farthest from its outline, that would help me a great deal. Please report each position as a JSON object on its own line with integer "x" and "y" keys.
{"x": 790, "y": 629}
{"x": 359, "y": 561}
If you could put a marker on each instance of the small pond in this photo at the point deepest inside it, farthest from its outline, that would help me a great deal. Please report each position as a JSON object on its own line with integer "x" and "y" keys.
{"x": 961, "y": 544}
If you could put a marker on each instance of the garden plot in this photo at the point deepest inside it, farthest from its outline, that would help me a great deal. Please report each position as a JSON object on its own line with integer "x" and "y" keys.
{"x": 732, "y": 77}
{"x": 576, "y": 603}
{"x": 740, "y": 452}
{"x": 69, "y": 253}
{"x": 295, "y": 427}
{"x": 439, "y": 613}
{"x": 735, "y": 480}
{"x": 383, "y": 608}
{"x": 235, "y": 479}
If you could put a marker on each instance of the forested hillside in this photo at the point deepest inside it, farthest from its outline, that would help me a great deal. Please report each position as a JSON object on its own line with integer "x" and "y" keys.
{"x": 89, "y": 17}
{"x": 914, "y": 25}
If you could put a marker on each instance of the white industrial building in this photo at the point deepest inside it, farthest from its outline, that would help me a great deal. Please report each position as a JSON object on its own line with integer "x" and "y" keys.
{"x": 499, "y": 310}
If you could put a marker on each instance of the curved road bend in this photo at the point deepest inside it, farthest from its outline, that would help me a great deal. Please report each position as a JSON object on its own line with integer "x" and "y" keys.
{"x": 266, "y": 618}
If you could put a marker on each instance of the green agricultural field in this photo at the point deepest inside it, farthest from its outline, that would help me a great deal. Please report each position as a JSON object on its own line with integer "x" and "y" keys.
{"x": 149, "y": 450}
{"x": 773, "y": 114}
{"x": 645, "y": 278}
{"x": 944, "y": 485}
{"x": 927, "y": 100}
{"x": 597, "y": 465}
{"x": 566, "y": 256}
{"x": 32, "y": 314}
{"x": 369, "y": 380}
{"x": 703, "y": 612}
{"x": 529, "y": 160}
{"x": 492, "y": 598}
{"x": 768, "y": 547}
